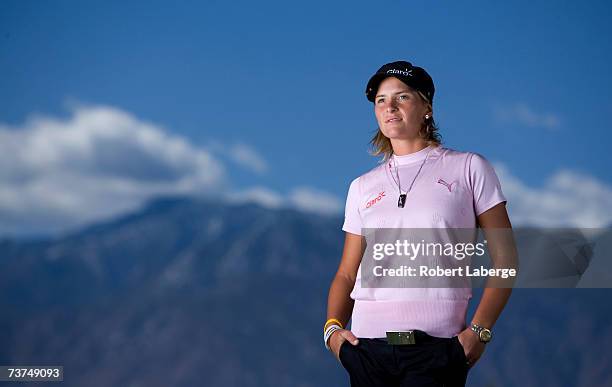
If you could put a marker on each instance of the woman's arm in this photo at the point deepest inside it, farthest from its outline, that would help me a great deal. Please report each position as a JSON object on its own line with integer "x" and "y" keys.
{"x": 502, "y": 249}
{"x": 339, "y": 302}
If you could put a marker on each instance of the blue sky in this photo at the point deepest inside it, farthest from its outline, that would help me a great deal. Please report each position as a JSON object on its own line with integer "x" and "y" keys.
{"x": 273, "y": 93}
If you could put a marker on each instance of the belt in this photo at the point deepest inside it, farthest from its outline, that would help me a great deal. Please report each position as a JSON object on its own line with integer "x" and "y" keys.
{"x": 409, "y": 337}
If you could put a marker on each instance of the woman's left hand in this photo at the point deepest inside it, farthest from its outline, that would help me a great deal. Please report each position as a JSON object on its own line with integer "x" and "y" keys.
{"x": 472, "y": 346}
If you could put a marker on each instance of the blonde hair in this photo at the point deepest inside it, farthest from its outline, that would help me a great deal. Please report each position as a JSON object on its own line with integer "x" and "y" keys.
{"x": 381, "y": 145}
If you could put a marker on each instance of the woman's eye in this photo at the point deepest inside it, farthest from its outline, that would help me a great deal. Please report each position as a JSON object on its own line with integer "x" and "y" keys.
{"x": 380, "y": 100}
{"x": 401, "y": 97}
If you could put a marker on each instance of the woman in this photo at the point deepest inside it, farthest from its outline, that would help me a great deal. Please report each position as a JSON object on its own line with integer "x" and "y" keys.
{"x": 412, "y": 337}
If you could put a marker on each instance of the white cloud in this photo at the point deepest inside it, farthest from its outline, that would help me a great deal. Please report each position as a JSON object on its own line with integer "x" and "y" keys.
{"x": 241, "y": 154}
{"x": 99, "y": 162}
{"x": 305, "y": 199}
{"x": 260, "y": 195}
{"x": 522, "y": 114}
{"x": 247, "y": 157}
{"x": 567, "y": 198}
{"x": 312, "y": 200}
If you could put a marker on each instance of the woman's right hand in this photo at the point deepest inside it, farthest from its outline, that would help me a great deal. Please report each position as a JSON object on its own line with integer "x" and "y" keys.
{"x": 338, "y": 337}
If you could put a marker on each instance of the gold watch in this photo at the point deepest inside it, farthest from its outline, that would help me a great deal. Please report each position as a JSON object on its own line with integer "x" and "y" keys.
{"x": 484, "y": 334}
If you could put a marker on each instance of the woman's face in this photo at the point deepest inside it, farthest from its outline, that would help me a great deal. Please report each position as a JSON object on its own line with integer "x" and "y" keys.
{"x": 399, "y": 110}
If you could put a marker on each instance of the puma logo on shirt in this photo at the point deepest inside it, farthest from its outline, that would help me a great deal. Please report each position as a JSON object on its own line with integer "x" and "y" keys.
{"x": 447, "y": 185}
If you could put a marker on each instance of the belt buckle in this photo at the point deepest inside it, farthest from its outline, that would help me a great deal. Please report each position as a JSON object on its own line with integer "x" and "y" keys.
{"x": 400, "y": 337}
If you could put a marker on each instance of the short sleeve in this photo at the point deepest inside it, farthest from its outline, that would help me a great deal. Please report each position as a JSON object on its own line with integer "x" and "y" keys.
{"x": 352, "y": 217}
{"x": 485, "y": 184}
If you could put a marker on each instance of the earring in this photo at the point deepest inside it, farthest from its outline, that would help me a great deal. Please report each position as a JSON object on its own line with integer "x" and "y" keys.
{"x": 426, "y": 116}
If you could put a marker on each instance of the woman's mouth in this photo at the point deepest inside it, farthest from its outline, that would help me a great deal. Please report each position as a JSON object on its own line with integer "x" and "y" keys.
{"x": 393, "y": 119}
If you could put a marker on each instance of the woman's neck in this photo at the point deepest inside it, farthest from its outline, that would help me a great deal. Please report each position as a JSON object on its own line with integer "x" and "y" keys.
{"x": 406, "y": 147}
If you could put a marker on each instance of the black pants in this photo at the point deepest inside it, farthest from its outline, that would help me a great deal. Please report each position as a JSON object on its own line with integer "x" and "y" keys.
{"x": 432, "y": 361}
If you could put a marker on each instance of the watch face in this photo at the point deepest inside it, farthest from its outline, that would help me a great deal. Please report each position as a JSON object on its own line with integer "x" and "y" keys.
{"x": 485, "y": 335}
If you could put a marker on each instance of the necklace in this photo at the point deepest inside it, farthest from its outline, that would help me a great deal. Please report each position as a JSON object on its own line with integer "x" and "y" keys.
{"x": 401, "y": 201}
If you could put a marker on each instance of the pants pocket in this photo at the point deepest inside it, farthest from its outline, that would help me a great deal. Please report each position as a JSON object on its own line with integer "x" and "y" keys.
{"x": 459, "y": 349}
{"x": 341, "y": 352}
{"x": 460, "y": 355}
{"x": 457, "y": 371}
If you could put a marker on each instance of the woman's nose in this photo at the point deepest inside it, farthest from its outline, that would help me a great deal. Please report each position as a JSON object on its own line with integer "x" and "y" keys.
{"x": 391, "y": 106}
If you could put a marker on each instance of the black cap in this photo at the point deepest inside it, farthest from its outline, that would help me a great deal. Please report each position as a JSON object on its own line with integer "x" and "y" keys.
{"x": 414, "y": 76}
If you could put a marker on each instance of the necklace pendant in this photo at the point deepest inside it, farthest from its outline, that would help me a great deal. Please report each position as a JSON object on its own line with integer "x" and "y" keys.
{"x": 401, "y": 201}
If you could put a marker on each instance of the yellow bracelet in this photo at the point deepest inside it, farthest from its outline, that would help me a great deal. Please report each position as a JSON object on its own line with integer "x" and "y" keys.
{"x": 332, "y": 320}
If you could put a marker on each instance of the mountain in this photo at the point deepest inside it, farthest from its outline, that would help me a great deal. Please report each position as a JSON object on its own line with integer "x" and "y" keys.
{"x": 188, "y": 292}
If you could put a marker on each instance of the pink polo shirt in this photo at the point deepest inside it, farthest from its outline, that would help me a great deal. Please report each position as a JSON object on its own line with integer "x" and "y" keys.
{"x": 450, "y": 191}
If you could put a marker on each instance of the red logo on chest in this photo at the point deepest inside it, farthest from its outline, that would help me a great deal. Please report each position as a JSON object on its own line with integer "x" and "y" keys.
{"x": 376, "y": 199}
